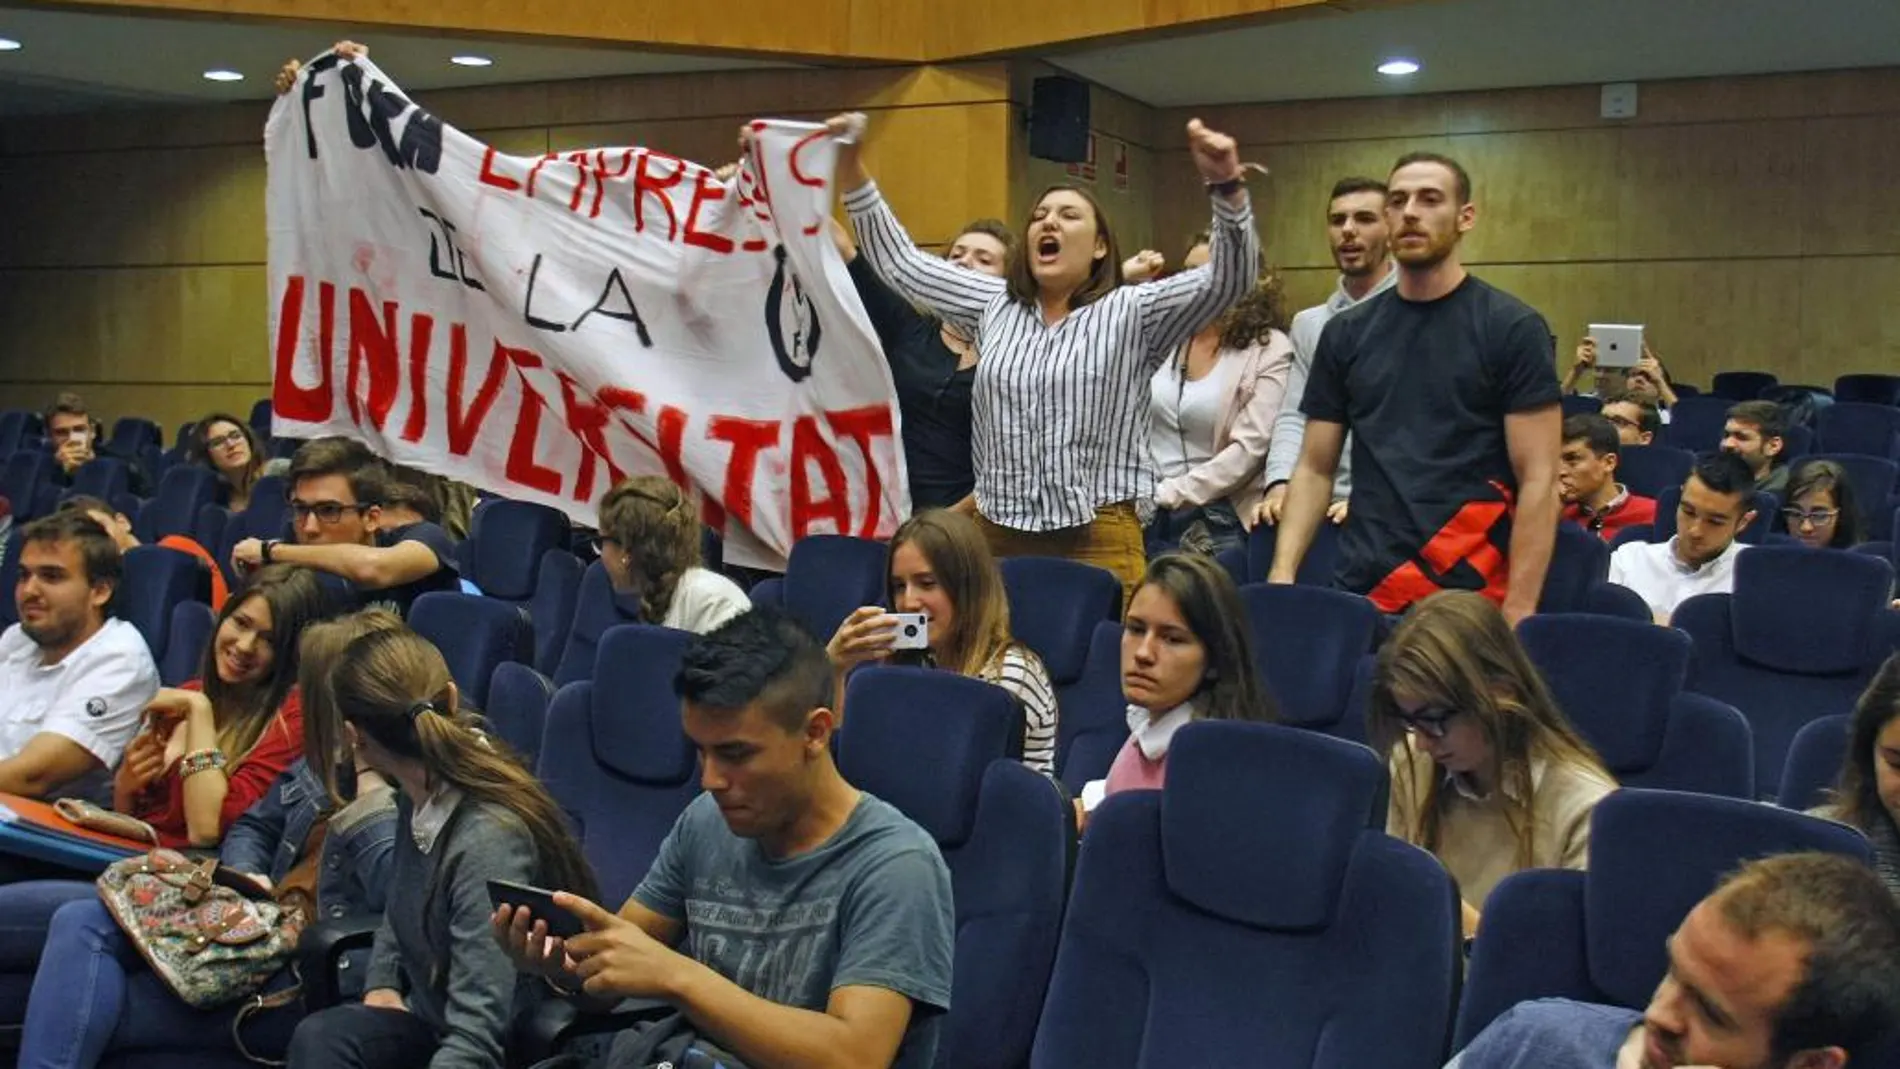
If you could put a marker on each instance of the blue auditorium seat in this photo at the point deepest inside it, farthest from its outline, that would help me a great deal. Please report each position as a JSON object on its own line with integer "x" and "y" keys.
{"x": 192, "y": 625}
{"x": 1874, "y": 478}
{"x": 131, "y": 436}
{"x": 828, "y": 576}
{"x": 1799, "y": 639}
{"x": 1579, "y": 562}
{"x": 1253, "y": 912}
{"x": 27, "y": 474}
{"x": 1609, "y": 599}
{"x": 174, "y": 507}
{"x": 1620, "y": 682}
{"x": 260, "y": 420}
{"x": 507, "y": 540}
{"x": 14, "y": 427}
{"x": 596, "y": 608}
{"x": 1742, "y": 385}
{"x": 102, "y": 477}
{"x": 1054, "y": 607}
{"x": 557, "y": 588}
{"x": 517, "y": 708}
{"x": 1648, "y": 470}
{"x": 1093, "y": 719}
{"x": 1316, "y": 568}
{"x": 475, "y": 634}
{"x": 1867, "y": 389}
{"x": 1598, "y": 935}
{"x": 1696, "y": 423}
{"x": 1859, "y": 427}
{"x": 1307, "y": 642}
{"x": 933, "y": 744}
{"x": 1815, "y": 759}
{"x": 156, "y": 581}
{"x": 1581, "y": 404}
{"x": 615, "y": 757}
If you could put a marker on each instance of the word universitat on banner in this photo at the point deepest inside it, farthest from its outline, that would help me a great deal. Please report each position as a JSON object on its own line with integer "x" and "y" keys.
{"x": 541, "y": 327}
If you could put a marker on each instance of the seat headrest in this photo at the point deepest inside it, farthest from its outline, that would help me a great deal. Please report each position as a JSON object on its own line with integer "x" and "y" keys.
{"x": 1054, "y": 607}
{"x": 1259, "y": 822}
{"x": 1807, "y": 611}
{"x": 921, "y": 739}
{"x": 509, "y": 539}
{"x": 1614, "y": 679}
{"x": 636, "y": 715}
{"x": 1655, "y": 854}
{"x": 1307, "y": 643}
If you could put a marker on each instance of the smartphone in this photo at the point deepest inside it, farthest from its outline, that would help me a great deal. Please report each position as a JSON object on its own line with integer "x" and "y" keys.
{"x": 1619, "y": 345}
{"x": 913, "y": 631}
{"x": 539, "y": 904}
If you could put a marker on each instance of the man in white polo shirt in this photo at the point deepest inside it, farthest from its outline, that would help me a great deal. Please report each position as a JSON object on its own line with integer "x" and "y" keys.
{"x": 1717, "y": 504}
{"x": 73, "y": 681}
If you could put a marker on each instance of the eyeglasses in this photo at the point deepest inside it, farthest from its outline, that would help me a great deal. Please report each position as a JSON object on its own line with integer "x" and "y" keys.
{"x": 1430, "y": 724}
{"x": 328, "y": 513}
{"x": 1623, "y": 421}
{"x": 1803, "y": 517}
{"x": 599, "y": 543}
{"x": 225, "y": 441}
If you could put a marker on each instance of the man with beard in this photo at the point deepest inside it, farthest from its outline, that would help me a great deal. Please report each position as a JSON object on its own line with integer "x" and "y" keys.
{"x": 1450, "y": 389}
{"x": 1355, "y": 228}
{"x": 75, "y": 680}
{"x": 1793, "y": 963}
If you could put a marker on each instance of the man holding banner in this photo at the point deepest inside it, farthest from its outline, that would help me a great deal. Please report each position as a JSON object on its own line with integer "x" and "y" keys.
{"x": 544, "y": 327}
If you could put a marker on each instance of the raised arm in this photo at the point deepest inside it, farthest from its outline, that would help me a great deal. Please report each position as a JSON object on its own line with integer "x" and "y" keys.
{"x": 1174, "y": 308}
{"x": 957, "y": 295}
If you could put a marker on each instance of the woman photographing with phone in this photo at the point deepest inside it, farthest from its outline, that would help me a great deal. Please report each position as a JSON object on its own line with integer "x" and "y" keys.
{"x": 1059, "y": 431}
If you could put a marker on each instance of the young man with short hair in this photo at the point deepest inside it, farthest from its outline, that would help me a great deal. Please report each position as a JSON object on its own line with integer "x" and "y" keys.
{"x": 1451, "y": 389}
{"x": 1792, "y": 963}
{"x": 1637, "y": 421}
{"x": 1356, "y": 232}
{"x": 75, "y": 679}
{"x": 1586, "y": 480}
{"x": 338, "y": 490}
{"x": 793, "y": 919}
{"x": 1757, "y": 432}
{"x": 1717, "y": 503}
{"x": 75, "y": 437}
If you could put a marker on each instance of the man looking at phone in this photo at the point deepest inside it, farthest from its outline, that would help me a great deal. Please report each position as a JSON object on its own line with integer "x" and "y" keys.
{"x": 75, "y": 439}
{"x": 75, "y": 679}
{"x": 792, "y": 919}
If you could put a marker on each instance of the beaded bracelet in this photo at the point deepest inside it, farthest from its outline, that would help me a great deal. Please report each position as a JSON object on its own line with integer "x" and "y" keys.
{"x": 200, "y": 761}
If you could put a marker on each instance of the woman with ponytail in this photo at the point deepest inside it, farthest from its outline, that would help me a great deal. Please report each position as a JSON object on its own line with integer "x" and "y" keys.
{"x": 439, "y": 990}
{"x": 649, "y": 543}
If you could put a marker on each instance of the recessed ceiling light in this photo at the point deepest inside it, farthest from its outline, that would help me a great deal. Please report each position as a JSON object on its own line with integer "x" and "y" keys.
{"x": 1398, "y": 68}
{"x": 221, "y": 75}
{"x": 471, "y": 61}
{"x": 8, "y": 44}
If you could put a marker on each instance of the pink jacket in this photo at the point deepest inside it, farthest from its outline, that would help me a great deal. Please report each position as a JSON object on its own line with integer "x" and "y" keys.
{"x": 1246, "y": 430}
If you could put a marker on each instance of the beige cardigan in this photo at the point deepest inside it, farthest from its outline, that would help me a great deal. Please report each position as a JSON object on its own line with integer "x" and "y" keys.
{"x": 1246, "y": 430}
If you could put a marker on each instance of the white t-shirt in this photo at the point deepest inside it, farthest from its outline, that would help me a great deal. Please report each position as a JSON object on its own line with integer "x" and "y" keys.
{"x": 703, "y": 600}
{"x": 1184, "y": 417}
{"x": 1652, "y": 570}
{"x": 93, "y": 697}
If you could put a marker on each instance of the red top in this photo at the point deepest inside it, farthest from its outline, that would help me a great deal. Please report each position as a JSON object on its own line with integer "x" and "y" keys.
{"x": 162, "y": 805}
{"x": 1627, "y": 510}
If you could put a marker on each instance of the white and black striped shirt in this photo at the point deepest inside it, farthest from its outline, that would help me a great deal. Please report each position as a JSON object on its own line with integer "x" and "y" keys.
{"x": 1021, "y": 672}
{"x": 1061, "y": 412}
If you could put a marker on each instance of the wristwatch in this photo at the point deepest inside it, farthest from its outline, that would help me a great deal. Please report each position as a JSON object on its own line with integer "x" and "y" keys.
{"x": 264, "y": 553}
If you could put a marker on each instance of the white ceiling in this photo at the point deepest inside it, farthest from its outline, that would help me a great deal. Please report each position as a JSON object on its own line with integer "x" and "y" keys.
{"x": 1491, "y": 44}
{"x": 78, "y": 62}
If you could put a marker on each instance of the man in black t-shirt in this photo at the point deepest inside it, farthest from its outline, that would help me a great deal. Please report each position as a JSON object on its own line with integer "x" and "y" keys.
{"x": 338, "y": 491}
{"x": 1450, "y": 389}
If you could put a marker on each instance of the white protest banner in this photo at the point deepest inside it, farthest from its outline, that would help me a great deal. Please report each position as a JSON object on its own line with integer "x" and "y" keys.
{"x": 541, "y": 326}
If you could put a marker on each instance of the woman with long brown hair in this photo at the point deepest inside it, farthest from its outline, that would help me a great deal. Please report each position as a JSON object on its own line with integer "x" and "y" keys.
{"x": 1211, "y": 414}
{"x": 940, "y": 566}
{"x": 1487, "y": 773}
{"x": 229, "y": 448}
{"x": 650, "y": 546}
{"x": 1066, "y": 352}
{"x": 438, "y": 987}
{"x": 1869, "y": 794}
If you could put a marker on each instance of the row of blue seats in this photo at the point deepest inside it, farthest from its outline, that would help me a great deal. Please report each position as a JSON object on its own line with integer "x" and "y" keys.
{"x": 1696, "y": 424}
{"x": 1858, "y": 388}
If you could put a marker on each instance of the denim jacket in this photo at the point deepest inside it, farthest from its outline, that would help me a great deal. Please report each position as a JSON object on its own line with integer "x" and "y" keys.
{"x": 354, "y": 871}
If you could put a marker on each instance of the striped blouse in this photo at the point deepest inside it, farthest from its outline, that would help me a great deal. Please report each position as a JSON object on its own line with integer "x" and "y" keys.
{"x": 1061, "y": 412}
{"x": 1021, "y": 673}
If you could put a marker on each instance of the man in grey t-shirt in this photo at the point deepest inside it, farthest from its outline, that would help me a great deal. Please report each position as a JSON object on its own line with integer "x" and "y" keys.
{"x": 1793, "y": 963}
{"x": 793, "y": 919}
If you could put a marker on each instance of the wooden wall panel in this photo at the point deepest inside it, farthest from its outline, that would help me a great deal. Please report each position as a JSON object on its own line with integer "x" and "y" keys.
{"x": 1117, "y": 122}
{"x": 1747, "y": 221}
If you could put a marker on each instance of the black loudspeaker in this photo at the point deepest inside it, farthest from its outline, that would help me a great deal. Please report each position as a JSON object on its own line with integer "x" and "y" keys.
{"x": 1059, "y": 119}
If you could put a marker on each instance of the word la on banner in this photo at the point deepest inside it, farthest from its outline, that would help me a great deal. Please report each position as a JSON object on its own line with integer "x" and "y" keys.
{"x": 543, "y": 326}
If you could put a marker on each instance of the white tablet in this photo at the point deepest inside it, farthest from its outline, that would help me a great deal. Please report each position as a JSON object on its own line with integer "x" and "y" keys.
{"x": 1618, "y": 344}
